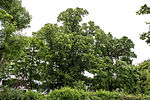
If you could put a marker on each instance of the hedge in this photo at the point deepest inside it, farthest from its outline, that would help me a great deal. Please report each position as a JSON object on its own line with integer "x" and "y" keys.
{"x": 67, "y": 93}
{"x": 107, "y": 95}
{"x": 15, "y": 94}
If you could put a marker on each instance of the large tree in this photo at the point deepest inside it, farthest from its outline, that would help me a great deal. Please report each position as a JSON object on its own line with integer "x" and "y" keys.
{"x": 14, "y": 18}
{"x": 74, "y": 48}
{"x": 68, "y": 50}
{"x": 58, "y": 56}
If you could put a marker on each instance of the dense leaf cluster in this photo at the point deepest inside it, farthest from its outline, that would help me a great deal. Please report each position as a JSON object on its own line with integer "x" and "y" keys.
{"x": 144, "y": 82}
{"x": 13, "y": 17}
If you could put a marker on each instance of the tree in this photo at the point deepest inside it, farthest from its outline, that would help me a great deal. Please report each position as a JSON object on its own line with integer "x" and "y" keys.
{"x": 14, "y": 17}
{"x": 145, "y": 10}
{"x": 66, "y": 56}
{"x": 74, "y": 48}
{"x": 58, "y": 56}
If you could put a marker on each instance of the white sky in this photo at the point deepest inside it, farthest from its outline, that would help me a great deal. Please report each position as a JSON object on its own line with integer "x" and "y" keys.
{"x": 115, "y": 16}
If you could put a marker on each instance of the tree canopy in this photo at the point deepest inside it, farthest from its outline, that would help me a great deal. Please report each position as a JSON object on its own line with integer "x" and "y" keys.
{"x": 13, "y": 18}
{"x": 58, "y": 55}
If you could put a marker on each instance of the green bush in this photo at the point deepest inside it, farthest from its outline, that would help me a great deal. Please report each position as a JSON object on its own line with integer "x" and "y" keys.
{"x": 68, "y": 94}
{"x": 144, "y": 82}
{"x": 146, "y": 97}
{"x": 74, "y": 94}
{"x": 11, "y": 94}
{"x": 107, "y": 95}
{"x": 31, "y": 95}
{"x": 16, "y": 94}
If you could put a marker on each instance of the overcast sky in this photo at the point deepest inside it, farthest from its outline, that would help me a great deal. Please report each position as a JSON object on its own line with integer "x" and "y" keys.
{"x": 115, "y": 16}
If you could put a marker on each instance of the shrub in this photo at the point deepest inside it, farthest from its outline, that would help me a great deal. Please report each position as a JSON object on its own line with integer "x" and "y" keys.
{"x": 107, "y": 95}
{"x": 31, "y": 95}
{"x": 67, "y": 93}
{"x": 11, "y": 94}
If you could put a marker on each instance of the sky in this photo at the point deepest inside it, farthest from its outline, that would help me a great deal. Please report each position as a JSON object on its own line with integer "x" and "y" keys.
{"x": 115, "y": 16}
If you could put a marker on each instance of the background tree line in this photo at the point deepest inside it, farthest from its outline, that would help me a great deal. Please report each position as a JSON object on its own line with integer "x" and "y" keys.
{"x": 57, "y": 56}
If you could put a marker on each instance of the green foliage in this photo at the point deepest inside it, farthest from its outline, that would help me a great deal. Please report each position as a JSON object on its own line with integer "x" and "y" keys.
{"x": 72, "y": 48}
{"x": 71, "y": 19}
{"x": 119, "y": 76}
{"x": 11, "y": 94}
{"x": 13, "y": 17}
{"x": 28, "y": 66}
{"x": 115, "y": 49}
{"x": 144, "y": 81}
{"x": 15, "y": 94}
{"x": 31, "y": 95}
{"x": 73, "y": 94}
{"x": 67, "y": 94}
{"x": 11, "y": 54}
{"x": 6, "y": 28}
{"x": 66, "y": 55}
{"x": 145, "y": 10}
{"x": 107, "y": 95}
{"x": 146, "y": 36}
{"x": 57, "y": 56}
{"x": 80, "y": 85}
{"x": 21, "y": 17}
{"x": 4, "y": 17}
